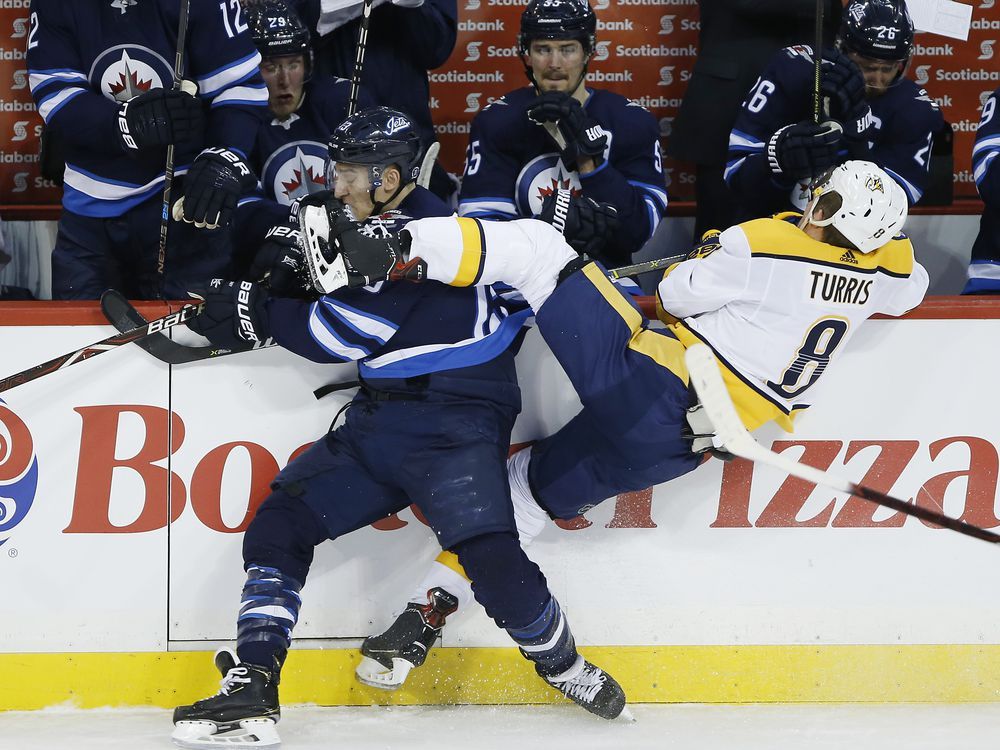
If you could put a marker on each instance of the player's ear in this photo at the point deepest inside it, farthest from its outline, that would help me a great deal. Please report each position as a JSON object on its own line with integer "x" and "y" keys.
{"x": 391, "y": 178}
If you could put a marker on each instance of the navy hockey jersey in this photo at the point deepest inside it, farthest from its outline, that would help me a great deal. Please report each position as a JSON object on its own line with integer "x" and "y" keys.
{"x": 905, "y": 117}
{"x": 87, "y": 56}
{"x": 512, "y": 164}
{"x": 984, "y": 270}
{"x": 397, "y": 330}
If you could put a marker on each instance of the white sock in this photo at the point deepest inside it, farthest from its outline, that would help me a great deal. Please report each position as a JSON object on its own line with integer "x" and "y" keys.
{"x": 528, "y": 514}
{"x": 527, "y": 254}
{"x": 443, "y": 576}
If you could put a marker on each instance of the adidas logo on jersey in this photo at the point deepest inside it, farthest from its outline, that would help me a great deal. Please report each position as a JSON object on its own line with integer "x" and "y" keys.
{"x": 848, "y": 257}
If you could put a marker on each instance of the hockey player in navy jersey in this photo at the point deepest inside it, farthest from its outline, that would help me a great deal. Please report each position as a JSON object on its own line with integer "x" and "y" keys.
{"x": 101, "y": 77}
{"x": 776, "y": 299}
{"x": 560, "y": 133}
{"x": 875, "y": 113}
{"x": 430, "y": 425}
{"x": 290, "y": 150}
{"x": 984, "y": 270}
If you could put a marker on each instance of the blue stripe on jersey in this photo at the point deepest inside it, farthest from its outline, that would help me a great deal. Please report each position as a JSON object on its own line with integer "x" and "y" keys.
{"x": 90, "y": 195}
{"x": 254, "y": 95}
{"x": 364, "y": 324}
{"x": 740, "y": 141}
{"x": 331, "y": 341}
{"x": 447, "y": 356}
{"x": 487, "y": 206}
{"x": 51, "y": 104}
{"x": 912, "y": 190}
{"x": 239, "y": 70}
{"x": 38, "y": 79}
{"x": 983, "y": 154}
{"x": 657, "y": 193}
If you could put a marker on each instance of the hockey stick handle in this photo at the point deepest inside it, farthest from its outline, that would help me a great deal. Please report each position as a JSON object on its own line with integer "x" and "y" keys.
{"x": 112, "y": 342}
{"x": 645, "y": 266}
{"x": 818, "y": 62}
{"x": 359, "y": 58}
{"x": 729, "y": 428}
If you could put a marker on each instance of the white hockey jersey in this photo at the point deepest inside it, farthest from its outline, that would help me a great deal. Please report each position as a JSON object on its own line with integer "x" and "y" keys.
{"x": 777, "y": 307}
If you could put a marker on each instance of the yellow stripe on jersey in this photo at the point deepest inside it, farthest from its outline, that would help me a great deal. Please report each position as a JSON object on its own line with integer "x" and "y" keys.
{"x": 450, "y": 560}
{"x": 754, "y": 409}
{"x": 664, "y": 350}
{"x": 470, "y": 267}
{"x": 777, "y": 237}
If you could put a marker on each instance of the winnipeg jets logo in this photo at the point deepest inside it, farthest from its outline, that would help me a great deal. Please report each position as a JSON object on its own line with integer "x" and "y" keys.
{"x": 396, "y": 124}
{"x": 540, "y": 178}
{"x": 128, "y": 77}
{"x": 123, "y": 5}
{"x": 302, "y": 174}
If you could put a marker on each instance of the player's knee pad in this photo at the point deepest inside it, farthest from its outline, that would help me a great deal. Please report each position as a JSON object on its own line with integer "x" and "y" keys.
{"x": 508, "y": 585}
{"x": 283, "y": 535}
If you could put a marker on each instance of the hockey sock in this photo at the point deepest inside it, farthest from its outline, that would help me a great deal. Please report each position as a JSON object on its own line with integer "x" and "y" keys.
{"x": 528, "y": 255}
{"x": 269, "y": 610}
{"x": 446, "y": 573}
{"x": 529, "y": 516}
{"x": 548, "y": 641}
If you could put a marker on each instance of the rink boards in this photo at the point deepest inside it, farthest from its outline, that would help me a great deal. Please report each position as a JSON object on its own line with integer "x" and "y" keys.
{"x": 125, "y": 485}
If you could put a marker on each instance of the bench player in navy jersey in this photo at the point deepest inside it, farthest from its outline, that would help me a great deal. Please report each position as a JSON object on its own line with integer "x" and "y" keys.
{"x": 101, "y": 77}
{"x": 875, "y": 114}
{"x": 611, "y": 155}
{"x": 775, "y": 298}
{"x": 290, "y": 151}
{"x": 430, "y": 425}
{"x": 984, "y": 270}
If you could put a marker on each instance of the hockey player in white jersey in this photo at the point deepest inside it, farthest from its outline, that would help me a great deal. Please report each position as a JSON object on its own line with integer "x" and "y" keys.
{"x": 776, "y": 300}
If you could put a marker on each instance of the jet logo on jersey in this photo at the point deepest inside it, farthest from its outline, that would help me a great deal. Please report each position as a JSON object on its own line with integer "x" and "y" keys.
{"x": 18, "y": 471}
{"x": 123, "y": 5}
{"x": 121, "y": 74}
{"x": 540, "y": 178}
{"x": 294, "y": 171}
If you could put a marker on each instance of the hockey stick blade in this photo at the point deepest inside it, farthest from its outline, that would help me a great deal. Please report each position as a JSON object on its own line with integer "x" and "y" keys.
{"x": 645, "y": 266}
{"x": 112, "y": 342}
{"x": 729, "y": 429}
{"x": 123, "y": 316}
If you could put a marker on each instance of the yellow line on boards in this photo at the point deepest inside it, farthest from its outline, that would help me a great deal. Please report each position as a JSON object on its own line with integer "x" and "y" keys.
{"x": 649, "y": 674}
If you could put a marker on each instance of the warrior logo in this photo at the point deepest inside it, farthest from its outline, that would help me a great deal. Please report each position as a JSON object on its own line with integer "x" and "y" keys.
{"x": 18, "y": 471}
{"x": 666, "y": 75}
{"x": 986, "y": 48}
{"x": 123, "y": 5}
{"x": 472, "y": 51}
{"x": 125, "y": 72}
{"x": 922, "y": 74}
{"x": 295, "y": 170}
{"x": 666, "y": 25}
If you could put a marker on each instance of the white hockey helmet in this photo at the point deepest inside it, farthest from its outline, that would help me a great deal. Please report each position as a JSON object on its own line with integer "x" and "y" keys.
{"x": 873, "y": 205}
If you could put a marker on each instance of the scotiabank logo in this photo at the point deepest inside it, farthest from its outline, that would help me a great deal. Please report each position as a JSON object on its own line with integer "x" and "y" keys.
{"x": 18, "y": 471}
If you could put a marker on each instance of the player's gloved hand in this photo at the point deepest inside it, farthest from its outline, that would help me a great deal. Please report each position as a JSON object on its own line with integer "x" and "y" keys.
{"x": 586, "y": 224}
{"x": 843, "y": 85}
{"x": 340, "y": 254}
{"x": 213, "y": 185}
{"x": 708, "y": 245}
{"x": 233, "y": 315}
{"x": 804, "y": 150}
{"x": 158, "y": 118}
{"x": 280, "y": 264}
{"x": 583, "y": 135}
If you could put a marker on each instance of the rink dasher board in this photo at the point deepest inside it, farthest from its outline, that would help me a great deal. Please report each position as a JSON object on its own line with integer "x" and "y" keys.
{"x": 719, "y": 570}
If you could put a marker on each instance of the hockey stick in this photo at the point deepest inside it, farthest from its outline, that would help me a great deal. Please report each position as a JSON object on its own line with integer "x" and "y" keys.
{"x": 123, "y": 316}
{"x": 168, "y": 170}
{"x": 818, "y": 62}
{"x": 645, "y": 266}
{"x": 729, "y": 429}
{"x": 359, "y": 60}
{"x": 112, "y": 342}
{"x": 427, "y": 165}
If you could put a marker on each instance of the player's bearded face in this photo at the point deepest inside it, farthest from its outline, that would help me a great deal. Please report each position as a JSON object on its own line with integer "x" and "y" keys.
{"x": 879, "y": 74}
{"x": 351, "y": 184}
{"x": 557, "y": 64}
{"x": 284, "y": 77}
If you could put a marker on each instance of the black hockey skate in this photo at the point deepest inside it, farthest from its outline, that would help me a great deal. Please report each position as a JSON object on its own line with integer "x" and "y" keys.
{"x": 592, "y": 688}
{"x": 241, "y": 715}
{"x": 389, "y": 656}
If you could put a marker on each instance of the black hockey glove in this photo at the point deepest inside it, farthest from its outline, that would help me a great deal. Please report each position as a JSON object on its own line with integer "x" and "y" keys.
{"x": 844, "y": 86}
{"x": 586, "y": 224}
{"x": 583, "y": 135}
{"x": 233, "y": 315}
{"x": 280, "y": 264}
{"x": 805, "y": 150}
{"x": 158, "y": 118}
{"x": 212, "y": 186}
{"x": 341, "y": 253}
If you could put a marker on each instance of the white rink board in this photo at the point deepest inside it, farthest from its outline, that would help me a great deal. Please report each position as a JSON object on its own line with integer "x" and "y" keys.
{"x": 686, "y": 581}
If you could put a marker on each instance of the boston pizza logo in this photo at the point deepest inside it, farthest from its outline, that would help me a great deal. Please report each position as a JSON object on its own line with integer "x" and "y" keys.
{"x": 125, "y": 71}
{"x": 18, "y": 471}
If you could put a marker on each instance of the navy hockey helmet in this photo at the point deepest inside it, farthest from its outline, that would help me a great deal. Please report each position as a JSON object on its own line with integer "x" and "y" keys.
{"x": 278, "y": 31}
{"x": 558, "y": 19}
{"x": 880, "y": 29}
{"x": 378, "y": 137}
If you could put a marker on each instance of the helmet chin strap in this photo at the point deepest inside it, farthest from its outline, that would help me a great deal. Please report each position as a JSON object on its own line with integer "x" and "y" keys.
{"x": 378, "y": 206}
